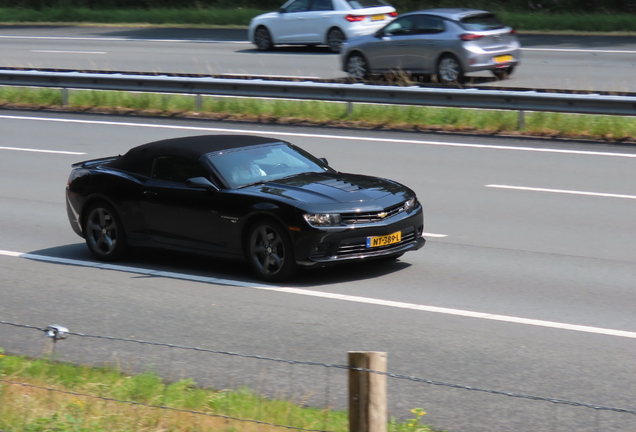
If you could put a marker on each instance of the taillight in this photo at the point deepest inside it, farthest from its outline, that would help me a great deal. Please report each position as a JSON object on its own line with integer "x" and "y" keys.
{"x": 470, "y": 37}
{"x": 393, "y": 14}
{"x": 513, "y": 31}
{"x": 355, "y": 18}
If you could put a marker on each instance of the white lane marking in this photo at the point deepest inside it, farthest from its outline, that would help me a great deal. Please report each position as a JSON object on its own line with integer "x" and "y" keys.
{"x": 335, "y": 137}
{"x": 42, "y": 151}
{"x": 563, "y": 191}
{"x": 113, "y": 39}
{"x": 68, "y": 52}
{"x": 434, "y": 235}
{"x": 580, "y": 50}
{"x": 328, "y": 295}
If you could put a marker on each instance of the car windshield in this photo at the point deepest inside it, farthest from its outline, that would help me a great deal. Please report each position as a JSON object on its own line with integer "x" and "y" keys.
{"x": 361, "y": 4}
{"x": 482, "y": 22}
{"x": 245, "y": 166}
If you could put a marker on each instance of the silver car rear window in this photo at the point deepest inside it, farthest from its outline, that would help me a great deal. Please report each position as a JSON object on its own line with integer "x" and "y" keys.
{"x": 481, "y": 22}
{"x": 361, "y": 4}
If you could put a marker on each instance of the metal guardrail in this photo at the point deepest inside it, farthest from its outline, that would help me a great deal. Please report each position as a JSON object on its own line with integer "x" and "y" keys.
{"x": 355, "y": 92}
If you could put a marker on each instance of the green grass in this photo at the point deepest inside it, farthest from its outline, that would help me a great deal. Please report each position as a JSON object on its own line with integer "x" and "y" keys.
{"x": 240, "y": 17}
{"x": 61, "y": 397}
{"x": 329, "y": 114}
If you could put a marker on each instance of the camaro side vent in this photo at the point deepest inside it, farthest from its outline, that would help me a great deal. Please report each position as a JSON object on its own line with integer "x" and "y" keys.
{"x": 342, "y": 185}
{"x": 371, "y": 217}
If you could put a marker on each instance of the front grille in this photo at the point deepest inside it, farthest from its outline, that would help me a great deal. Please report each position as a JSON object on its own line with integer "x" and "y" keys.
{"x": 359, "y": 246}
{"x": 371, "y": 217}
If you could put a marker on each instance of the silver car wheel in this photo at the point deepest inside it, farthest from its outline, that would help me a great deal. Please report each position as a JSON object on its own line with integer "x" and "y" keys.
{"x": 449, "y": 70}
{"x": 335, "y": 38}
{"x": 357, "y": 67}
{"x": 104, "y": 232}
{"x": 262, "y": 39}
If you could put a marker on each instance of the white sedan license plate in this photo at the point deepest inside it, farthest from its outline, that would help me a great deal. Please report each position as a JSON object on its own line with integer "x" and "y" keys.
{"x": 377, "y": 17}
{"x": 384, "y": 240}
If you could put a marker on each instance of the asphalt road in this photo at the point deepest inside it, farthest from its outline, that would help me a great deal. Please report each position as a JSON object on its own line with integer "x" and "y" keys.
{"x": 597, "y": 63}
{"x": 525, "y": 285}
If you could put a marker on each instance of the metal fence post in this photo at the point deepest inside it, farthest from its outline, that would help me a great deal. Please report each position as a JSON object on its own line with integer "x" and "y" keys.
{"x": 367, "y": 392}
{"x": 521, "y": 123}
{"x": 64, "y": 96}
{"x": 349, "y": 108}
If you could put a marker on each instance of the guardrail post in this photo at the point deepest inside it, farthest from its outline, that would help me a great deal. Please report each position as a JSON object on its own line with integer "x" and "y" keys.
{"x": 367, "y": 392}
{"x": 64, "y": 96}
{"x": 521, "y": 123}
{"x": 349, "y": 108}
{"x": 199, "y": 102}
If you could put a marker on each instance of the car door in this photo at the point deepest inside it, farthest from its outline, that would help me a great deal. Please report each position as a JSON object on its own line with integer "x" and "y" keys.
{"x": 426, "y": 41}
{"x": 176, "y": 214}
{"x": 319, "y": 20}
{"x": 390, "y": 51}
{"x": 292, "y": 21}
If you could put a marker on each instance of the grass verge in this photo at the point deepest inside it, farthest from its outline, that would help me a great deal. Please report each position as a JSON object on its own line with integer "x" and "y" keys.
{"x": 38, "y": 395}
{"x": 327, "y": 114}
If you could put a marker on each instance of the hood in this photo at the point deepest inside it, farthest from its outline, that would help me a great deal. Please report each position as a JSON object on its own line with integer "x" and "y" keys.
{"x": 332, "y": 188}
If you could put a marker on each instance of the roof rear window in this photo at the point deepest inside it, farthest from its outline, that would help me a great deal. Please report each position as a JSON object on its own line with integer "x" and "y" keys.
{"x": 481, "y": 22}
{"x": 361, "y": 4}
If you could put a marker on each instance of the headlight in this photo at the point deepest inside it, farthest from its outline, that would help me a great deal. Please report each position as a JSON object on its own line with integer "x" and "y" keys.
{"x": 410, "y": 205}
{"x": 323, "y": 219}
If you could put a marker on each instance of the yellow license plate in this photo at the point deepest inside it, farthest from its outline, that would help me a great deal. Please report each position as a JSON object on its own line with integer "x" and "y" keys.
{"x": 503, "y": 59}
{"x": 384, "y": 240}
{"x": 377, "y": 17}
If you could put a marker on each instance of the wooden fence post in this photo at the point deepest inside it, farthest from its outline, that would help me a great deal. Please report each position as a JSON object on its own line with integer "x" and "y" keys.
{"x": 367, "y": 392}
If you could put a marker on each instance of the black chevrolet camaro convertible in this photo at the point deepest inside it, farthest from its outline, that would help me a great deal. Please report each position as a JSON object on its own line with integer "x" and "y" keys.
{"x": 240, "y": 196}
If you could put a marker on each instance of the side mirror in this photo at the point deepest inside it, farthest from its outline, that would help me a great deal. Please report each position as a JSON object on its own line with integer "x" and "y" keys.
{"x": 324, "y": 160}
{"x": 379, "y": 33}
{"x": 201, "y": 183}
{"x": 282, "y": 10}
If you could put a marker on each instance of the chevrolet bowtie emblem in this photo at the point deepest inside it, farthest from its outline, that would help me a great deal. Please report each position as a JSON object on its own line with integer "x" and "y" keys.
{"x": 382, "y": 215}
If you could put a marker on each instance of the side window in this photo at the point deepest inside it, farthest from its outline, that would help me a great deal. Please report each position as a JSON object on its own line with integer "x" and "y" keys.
{"x": 298, "y": 6}
{"x": 427, "y": 24}
{"x": 400, "y": 26}
{"x": 176, "y": 169}
{"x": 321, "y": 5}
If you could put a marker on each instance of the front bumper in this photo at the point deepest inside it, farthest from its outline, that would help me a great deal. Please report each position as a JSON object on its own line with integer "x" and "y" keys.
{"x": 322, "y": 247}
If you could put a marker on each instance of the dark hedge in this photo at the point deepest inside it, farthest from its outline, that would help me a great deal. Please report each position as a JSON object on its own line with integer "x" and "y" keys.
{"x": 561, "y": 6}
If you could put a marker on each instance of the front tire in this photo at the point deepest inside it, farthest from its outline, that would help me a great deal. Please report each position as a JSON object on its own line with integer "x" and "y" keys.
{"x": 263, "y": 39}
{"x": 449, "y": 70}
{"x": 335, "y": 38}
{"x": 104, "y": 232}
{"x": 269, "y": 251}
{"x": 357, "y": 67}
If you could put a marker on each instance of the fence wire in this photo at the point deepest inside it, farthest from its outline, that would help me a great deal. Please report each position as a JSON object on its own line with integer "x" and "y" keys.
{"x": 328, "y": 366}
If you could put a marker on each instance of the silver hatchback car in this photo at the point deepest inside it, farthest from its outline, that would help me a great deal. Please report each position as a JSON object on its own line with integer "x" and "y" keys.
{"x": 445, "y": 42}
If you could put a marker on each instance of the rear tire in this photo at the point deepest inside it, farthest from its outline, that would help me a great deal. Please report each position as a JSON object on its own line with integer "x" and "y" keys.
{"x": 104, "y": 232}
{"x": 269, "y": 251}
{"x": 335, "y": 38}
{"x": 263, "y": 39}
{"x": 503, "y": 73}
{"x": 449, "y": 70}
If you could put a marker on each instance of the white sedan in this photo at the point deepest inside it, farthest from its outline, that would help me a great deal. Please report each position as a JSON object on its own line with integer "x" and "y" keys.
{"x": 319, "y": 22}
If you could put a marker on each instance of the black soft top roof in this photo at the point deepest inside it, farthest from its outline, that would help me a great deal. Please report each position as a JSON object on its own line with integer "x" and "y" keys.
{"x": 192, "y": 147}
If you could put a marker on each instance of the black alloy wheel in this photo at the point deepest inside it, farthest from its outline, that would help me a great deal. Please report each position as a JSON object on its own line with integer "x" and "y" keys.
{"x": 449, "y": 70}
{"x": 335, "y": 38}
{"x": 263, "y": 39}
{"x": 357, "y": 67}
{"x": 104, "y": 232}
{"x": 269, "y": 251}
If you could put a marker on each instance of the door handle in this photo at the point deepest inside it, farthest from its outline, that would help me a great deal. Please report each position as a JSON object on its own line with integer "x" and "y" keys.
{"x": 150, "y": 193}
